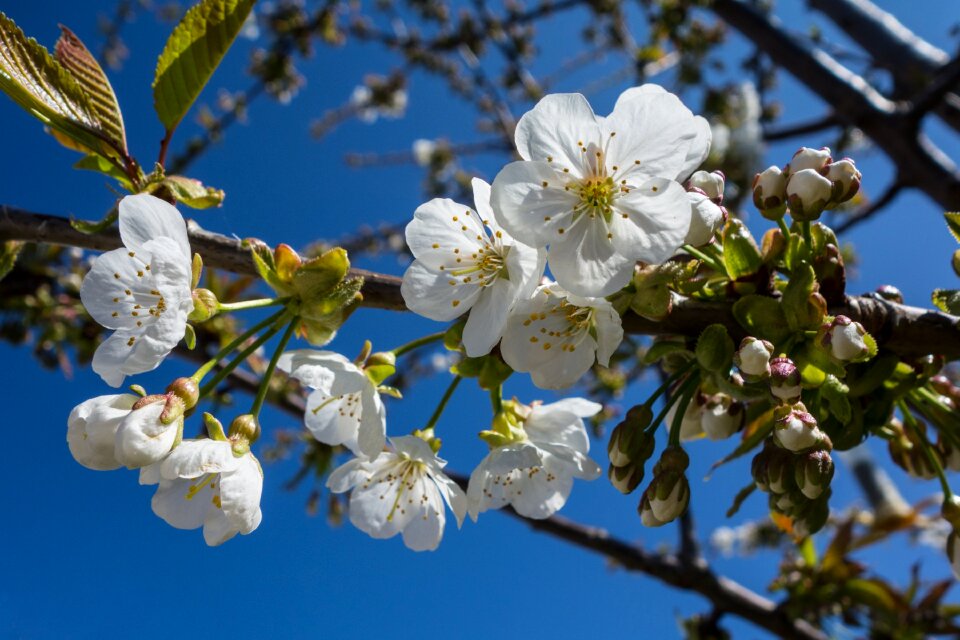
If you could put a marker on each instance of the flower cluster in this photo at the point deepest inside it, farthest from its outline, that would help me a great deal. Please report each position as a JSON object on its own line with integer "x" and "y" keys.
{"x": 809, "y": 184}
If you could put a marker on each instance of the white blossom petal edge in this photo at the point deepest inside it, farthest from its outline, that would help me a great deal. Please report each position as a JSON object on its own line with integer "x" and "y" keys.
{"x": 345, "y": 406}
{"x": 557, "y": 336}
{"x": 401, "y": 491}
{"x": 535, "y": 475}
{"x": 92, "y": 429}
{"x": 204, "y": 484}
{"x": 141, "y": 291}
{"x": 466, "y": 262}
{"x": 602, "y": 193}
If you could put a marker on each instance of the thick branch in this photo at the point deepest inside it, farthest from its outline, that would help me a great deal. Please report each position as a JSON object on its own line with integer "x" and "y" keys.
{"x": 907, "y": 331}
{"x": 919, "y": 163}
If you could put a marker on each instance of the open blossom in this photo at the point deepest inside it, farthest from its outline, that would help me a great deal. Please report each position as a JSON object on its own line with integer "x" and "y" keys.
{"x": 557, "y": 336}
{"x": 204, "y": 483}
{"x": 466, "y": 262}
{"x": 141, "y": 291}
{"x": 602, "y": 193}
{"x": 345, "y": 406}
{"x": 92, "y": 429}
{"x": 401, "y": 491}
{"x": 534, "y": 472}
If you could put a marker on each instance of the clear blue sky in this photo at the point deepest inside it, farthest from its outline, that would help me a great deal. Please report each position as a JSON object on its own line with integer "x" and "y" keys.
{"x": 84, "y": 556}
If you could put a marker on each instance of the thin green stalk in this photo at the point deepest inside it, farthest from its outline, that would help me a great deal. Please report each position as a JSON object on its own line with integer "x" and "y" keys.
{"x": 930, "y": 407}
{"x": 805, "y": 226}
{"x": 227, "y": 350}
{"x": 239, "y": 358}
{"x": 496, "y": 399}
{"x": 670, "y": 401}
{"x": 911, "y": 422}
{"x": 251, "y": 304}
{"x": 688, "y": 389}
{"x": 784, "y": 229}
{"x": 443, "y": 404}
{"x": 700, "y": 255}
{"x": 419, "y": 342}
{"x": 669, "y": 381}
{"x": 265, "y": 381}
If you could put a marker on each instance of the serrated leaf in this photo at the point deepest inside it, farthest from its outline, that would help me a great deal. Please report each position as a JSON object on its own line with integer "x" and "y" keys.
{"x": 835, "y": 393}
{"x": 192, "y": 53}
{"x": 741, "y": 256}
{"x": 9, "y": 251}
{"x": 953, "y": 223}
{"x": 48, "y": 91}
{"x": 947, "y": 300}
{"x": 661, "y": 349}
{"x": 762, "y": 317}
{"x": 89, "y": 226}
{"x": 74, "y": 55}
{"x": 192, "y": 193}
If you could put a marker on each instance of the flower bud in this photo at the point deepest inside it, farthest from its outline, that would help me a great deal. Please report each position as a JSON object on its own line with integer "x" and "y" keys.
{"x": 625, "y": 479}
{"x": 784, "y": 380}
{"x": 906, "y": 451}
{"x": 772, "y": 469}
{"x": 953, "y": 552}
{"x": 690, "y": 425}
{"x": 950, "y": 510}
{"x": 814, "y": 471}
{"x": 144, "y": 436}
{"x": 795, "y": 429}
{"x": 753, "y": 358}
{"x": 628, "y": 441}
{"x": 770, "y": 193}
{"x": 722, "y": 417}
{"x": 890, "y": 293}
{"x": 92, "y": 428}
{"x": 186, "y": 390}
{"x": 245, "y": 429}
{"x": 807, "y": 158}
{"x": 949, "y": 453}
{"x": 706, "y": 217}
{"x": 808, "y": 194}
{"x": 711, "y": 184}
{"x": 205, "y": 305}
{"x": 380, "y": 366}
{"x": 844, "y": 338}
{"x": 812, "y": 518}
{"x": 845, "y": 178}
{"x": 669, "y": 492}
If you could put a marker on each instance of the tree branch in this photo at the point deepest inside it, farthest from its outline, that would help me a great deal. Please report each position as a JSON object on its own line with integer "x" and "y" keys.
{"x": 907, "y": 331}
{"x": 871, "y": 209}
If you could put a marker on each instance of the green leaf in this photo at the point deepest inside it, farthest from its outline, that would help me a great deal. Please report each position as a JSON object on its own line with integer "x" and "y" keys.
{"x": 96, "y": 162}
{"x": 192, "y": 53}
{"x": 947, "y": 300}
{"x": 190, "y": 337}
{"x": 741, "y": 496}
{"x": 48, "y": 91}
{"x": 836, "y": 394}
{"x": 800, "y": 307}
{"x": 953, "y": 223}
{"x": 9, "y": 251}
{"x": 89, "y": 226}
{"x": 762, "y": 317}
{"x": 317, "y": 277}
{"x": 192, "y": 192}
{"x": 741, "y": 256}
{"x": 77, "y": 59}
{"x": 662, "y": 348}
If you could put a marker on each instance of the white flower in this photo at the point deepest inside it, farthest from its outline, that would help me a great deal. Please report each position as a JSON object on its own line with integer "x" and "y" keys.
{"x": 807, "y": 158}
{"x": 602, "y": 193}
{"x": 345, "y": 407}
{"x": 149, "y": 432}
{"x": 557, "y": 336}
{"x": 142, "y": 291}
{"x": 92, "y": 428}
{"x": 466, "y": 262}
{"x": 204, "y": 483}
{"x": 423, "y": 151}
{"x": 535, "y": 474}
{"x": 401, "y": 491}
{"x": 753, "y": 357}
{"x": 706, "y": 217}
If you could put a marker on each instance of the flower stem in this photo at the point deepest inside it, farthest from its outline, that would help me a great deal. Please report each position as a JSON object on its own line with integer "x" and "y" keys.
{"x": 251, "y": 304}
{"x": 805, "y": 226}
{"x": 227, "y": 350}
{"x": 419, "y": 342}
{"x": 669, "y": 381}
{"x": 784, "y": 229}
{"x": 242, "y": 356}
{"x": 688, "y": 389}
{"x": 911, "y": 422}
{"x": 700, "y": 255}
{"x": 443, "y": 403}
{"x": 265, "y": 382}
{"x": 668, "y": 403}
{"x": 496, "y": 399}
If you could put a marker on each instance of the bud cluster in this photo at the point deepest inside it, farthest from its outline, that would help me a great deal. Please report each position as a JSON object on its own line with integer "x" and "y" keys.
{"x": 668, "y": 494}
{"x": 798, "y": 483}
{"x": 629, "y": 449}
{"x": 810, "y": 183}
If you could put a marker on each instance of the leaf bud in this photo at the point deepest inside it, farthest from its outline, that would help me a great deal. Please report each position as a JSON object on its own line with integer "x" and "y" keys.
{"x": 808, "y": 194}
{"x": 753, "y": 358}
{"x": 784, "y": 379}
{"x": 770, "y": 193}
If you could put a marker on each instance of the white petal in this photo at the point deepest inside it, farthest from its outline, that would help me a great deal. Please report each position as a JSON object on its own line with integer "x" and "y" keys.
{"x": 528, "y": 211}
{"x": 181, "y": 505}
{"x": 323, "y": 370}
{"x": 435, "y": 295}
{"x": 564, "y": 370}
{"x": 659, "y": 218}
{"x": 348, "y": 475}
{"x": 553, "y": 128}
{"x": 111, "y": 276}
{"x": 577, "y": 463}
{"x": 609, "y": 331}
{"x": 705, "y": 219}
{"x": 453, "y": 495}
{"x": 525, "y": 266}
{"x": 437, "y": 229}
{"x": 480, "y": 497}
{"x": 240, "y": 492}
{"x": 372, "y": 433}
{"x": 481, "y": 201}
{"x": 217, "y": 528}
{"x": 92, "y": 428}
{"x": 699, "y": 148}
{"x": 144, "y": 217}
{"x": 193, "y": 458}
{"x": 334, "y": 420}
{"x": 142, "y": 439}
{"x": 424, "y": 528}
{"x": 488, "y": 317}
{"x": 561, "y": 423}
{"x": 150, "y": 474}
{"x": 415, "y": 447}
{"x": 586, "y": 263}
{"x": 541, "y": 494}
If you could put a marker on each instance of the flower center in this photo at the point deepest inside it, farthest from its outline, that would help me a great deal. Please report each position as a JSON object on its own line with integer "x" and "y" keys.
{"x": 597, "y": 195}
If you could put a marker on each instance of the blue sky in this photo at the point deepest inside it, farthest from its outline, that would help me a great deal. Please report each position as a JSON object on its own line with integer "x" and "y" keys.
{"x": 86, "y": 558}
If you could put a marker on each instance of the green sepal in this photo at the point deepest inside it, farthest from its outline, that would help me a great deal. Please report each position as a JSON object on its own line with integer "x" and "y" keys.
{"x": 214, "y": 427}
{"x": 762, "y": 317}
{"x": 9, "y": 252}
{"x": 190, "y": 337}
{"x": 393, "y": 392}
{"x": 835, "y": 393}
{"x": 453, "y": 336}
{"x": 494, "y": 373}
{"x": 139, "y": 390}
{"x": 741, "y": 256}
{"x": 821, "y": 358}
{"x": 196, "y": 270}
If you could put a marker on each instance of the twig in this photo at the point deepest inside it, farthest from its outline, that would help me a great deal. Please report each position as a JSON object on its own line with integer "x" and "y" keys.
{"x": 828, "y": 121}
{"x": 871, "y": 209}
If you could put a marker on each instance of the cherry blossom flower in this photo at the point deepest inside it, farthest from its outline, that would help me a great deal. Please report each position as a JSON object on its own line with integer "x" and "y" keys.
{"x": 150, "y": 431}
{"x": 534, "y": 471}
{"x": 345, "y": 406}
{"x": 557, "y": 336}
{"x": 466, "y": 262}
{"x": 401, "y": 491}
{"x": 142, "y": 291}
{"x": 92, "y": 428}
{"x": 602, "y": 193}
{"x": 211, "y": 484}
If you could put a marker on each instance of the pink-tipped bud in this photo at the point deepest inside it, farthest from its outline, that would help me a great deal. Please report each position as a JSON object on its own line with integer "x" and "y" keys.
{"x": 753, "y": 358}
{"x": 784, "y": 380}
{"x": 770, "y": 193}
{"x": 711, "y": 184}
{"x": 807, "y": 158}
{"x": 808, "y": 194}
{"x": 845, "y": 178}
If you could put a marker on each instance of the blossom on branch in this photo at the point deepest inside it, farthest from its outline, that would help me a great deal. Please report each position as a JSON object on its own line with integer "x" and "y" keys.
{"x": 466, "y": 262}
{"x": 602, "y": 193}
{"x": 142, "y": 291}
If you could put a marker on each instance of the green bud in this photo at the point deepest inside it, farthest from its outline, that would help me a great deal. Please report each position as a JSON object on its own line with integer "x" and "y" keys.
{"x": 196, "y": 268}
{"x": 205, "y": 305}
{"x": 187, "y": 390}
{"x": 244, "y": 429}
{"x": 813, "y": 517}
{"x": 625, "y": 479}
{"x": 214, "y": 427}
{"x": 453, "y": 338}
{"x": 715, "y": 349}
{"x": 813, "y": 473}
{"x": 173, "y": 409}
{"x": 951, "y": 511}
{"x": 380, "y": 366}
